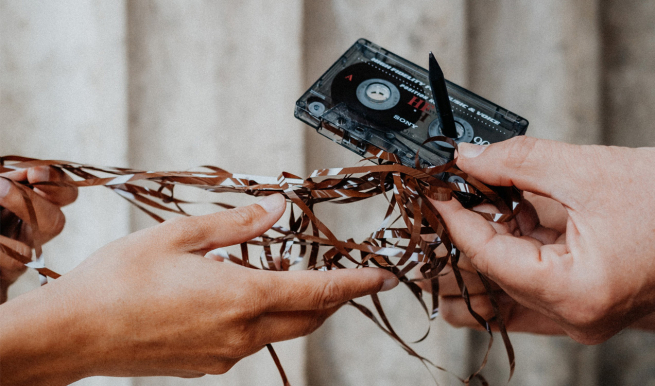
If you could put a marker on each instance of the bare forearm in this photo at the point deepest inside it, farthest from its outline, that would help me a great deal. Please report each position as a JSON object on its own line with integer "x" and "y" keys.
{"x": 150, "y": 304}
{"x": 41, "y": 341}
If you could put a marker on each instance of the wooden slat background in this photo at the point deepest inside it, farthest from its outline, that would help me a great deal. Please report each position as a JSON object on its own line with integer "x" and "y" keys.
{"x": 176, "y": 84}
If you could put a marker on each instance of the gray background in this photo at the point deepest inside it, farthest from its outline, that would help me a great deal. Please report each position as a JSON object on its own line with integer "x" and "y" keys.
{"x": 175, "y": 84}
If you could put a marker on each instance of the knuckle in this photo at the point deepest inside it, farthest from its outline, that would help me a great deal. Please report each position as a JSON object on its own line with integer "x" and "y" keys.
{"x": 518, "y": 151}
{"x": 477, "y": 253}
{"x": 249, "y": 306}
{"x": 328, "y": 295}
{"x": 58, "y": 223}
{"x": 178, "y": 224}
{"x": 241, "y": 343}
{"x": 183, "y": 231}
{"x": 244, "y": 217}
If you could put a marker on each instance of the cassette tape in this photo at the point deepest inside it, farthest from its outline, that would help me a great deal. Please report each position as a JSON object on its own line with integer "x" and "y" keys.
{"x": 373, "y": 99}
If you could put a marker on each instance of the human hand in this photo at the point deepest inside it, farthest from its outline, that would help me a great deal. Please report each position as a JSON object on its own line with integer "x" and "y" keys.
{"x": 591, "y": 278}
{"x": 517, "y": 318}
{"x": 15, "y": 223}
{"x": 150, "y": 304}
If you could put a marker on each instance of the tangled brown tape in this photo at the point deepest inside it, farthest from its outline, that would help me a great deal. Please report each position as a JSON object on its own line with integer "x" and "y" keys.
{"x": 416, "y": 237}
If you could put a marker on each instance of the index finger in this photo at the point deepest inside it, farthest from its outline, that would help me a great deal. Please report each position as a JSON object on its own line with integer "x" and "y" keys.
{"x": 516, "y": 264}
{"x": 221, "y": 229}
{"x": 320, "y": 290}
{"x": 535, "y": 165}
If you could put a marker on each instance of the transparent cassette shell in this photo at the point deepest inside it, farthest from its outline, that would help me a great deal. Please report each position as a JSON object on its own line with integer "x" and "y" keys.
{"x": 412, "y": 118}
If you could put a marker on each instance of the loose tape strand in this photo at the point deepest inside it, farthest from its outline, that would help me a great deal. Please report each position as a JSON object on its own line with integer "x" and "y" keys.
{"x": 410, "y": 235}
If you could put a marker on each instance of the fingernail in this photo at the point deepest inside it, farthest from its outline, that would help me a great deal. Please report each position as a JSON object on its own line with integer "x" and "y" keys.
{"x": 42, "y": 174}
{"x": 469, "y": 150}
{"x": 4, "y": 187}
{"x": 389, "y": 283}
{"x": 271, "y": 203}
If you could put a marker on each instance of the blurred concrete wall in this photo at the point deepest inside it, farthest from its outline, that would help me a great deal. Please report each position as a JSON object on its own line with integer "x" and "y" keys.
{"x": 176, "y": 84}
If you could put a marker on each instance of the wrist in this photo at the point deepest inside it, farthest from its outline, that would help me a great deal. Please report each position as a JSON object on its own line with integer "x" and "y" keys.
{"x": 44, "y": 339}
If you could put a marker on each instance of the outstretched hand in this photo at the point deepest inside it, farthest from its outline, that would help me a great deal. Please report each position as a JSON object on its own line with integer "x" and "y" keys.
{"x": 581, "y": 259}
{"x": 151, "y": 304}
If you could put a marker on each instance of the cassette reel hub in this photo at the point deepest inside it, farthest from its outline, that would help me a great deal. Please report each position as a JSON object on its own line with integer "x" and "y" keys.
{"x": 464, "y": 129}
{"x": 378, "y": 94}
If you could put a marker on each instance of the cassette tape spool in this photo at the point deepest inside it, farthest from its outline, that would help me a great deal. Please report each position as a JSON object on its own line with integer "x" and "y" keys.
{"x": 371, "y": 98}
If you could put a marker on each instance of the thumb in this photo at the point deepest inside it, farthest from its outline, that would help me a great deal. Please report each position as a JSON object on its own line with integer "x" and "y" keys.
{"x": 536, "y": 165}
{"x": 229, "y": 227}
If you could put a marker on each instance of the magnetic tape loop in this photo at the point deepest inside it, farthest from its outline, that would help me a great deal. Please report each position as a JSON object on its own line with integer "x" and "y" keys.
{"x": 401, "y": 243}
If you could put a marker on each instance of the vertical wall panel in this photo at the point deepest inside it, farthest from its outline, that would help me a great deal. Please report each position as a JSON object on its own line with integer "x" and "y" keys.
{"x": 540, "y": 60}
{"x": 215, "y": 83}
{"x": 63, "y": 95}
{"x": 349, "y": 349}
{"x": 629, "y": 63}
